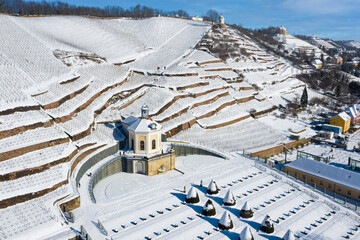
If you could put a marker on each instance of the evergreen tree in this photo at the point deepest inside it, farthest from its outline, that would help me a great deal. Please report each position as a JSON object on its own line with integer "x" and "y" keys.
{"x": 337, "y": 90}
{"x": 304, "y": 99}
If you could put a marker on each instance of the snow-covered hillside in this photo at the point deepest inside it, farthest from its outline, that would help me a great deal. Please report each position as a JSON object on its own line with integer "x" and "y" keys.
{"x": 66, "y": 82}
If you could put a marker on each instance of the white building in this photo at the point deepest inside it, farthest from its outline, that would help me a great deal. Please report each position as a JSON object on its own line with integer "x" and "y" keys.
{"x": 145, "y": 153}
{"x": 197, "y": 18}
{"x": 144, "y": 134}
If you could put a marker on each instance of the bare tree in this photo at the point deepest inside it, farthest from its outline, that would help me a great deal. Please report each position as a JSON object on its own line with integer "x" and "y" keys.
{"x": 212, "y": 15}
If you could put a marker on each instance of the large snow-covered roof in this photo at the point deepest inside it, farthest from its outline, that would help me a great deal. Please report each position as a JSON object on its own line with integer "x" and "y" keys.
{"x": 328, "y": 172}
{"x": 144, "y": 125}
{"x": 129, "y": 120}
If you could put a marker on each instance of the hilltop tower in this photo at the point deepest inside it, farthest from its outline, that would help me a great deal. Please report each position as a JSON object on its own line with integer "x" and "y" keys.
{"x": 283, "y": 30}
{"x": 222, "y": 21}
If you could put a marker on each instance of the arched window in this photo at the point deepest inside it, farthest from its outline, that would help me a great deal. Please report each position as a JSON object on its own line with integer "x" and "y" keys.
{"x": 153, "y": 144}
{"x": 142, "y": 145}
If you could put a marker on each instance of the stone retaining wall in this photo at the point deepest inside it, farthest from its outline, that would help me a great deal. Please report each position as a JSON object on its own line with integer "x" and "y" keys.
{"x": 30, "y": 171}
{"x": 26, "y": 197}
{"x": 279, "y": 149}
{"x": 19, "y": 109}
{"x": 20, "y": 151}
{"x": 14, "y": 131}
{"x": 64, "y": 99}
{"x": 224, "y": 124}
{"x": 84, "y": 155}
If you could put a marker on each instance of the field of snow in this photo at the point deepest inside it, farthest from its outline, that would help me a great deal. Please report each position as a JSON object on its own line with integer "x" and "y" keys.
{"x": 324, "y": 43}
{"x": 181, "y": 84}
{"x": 293, "y": 43}
{"x": 159, "y": 213}
{"x": 354, "y": 44}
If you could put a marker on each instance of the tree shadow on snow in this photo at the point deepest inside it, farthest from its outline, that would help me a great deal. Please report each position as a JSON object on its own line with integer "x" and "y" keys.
{"x": 74, "y": 230}
{"x": 196, "y": 208}
{"x": 178, "y": 190}
{"x": 233, "y": 210}
{"x": 216, "y": 199}
{"x": 231, "y": 235}
{"x": 202, "y": 189}
{"x": 212, "y": 220}
{"x": 254, "y": 225}
{"x": 180, "y": 196}
{"x": 270, "y": 237}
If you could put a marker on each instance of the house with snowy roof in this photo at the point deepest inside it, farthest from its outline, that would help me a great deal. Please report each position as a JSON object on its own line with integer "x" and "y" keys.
{"x": 145, "y": 153}
{"x": 338, "y": 60}
{"x": 317, "y": 63}
{"x": 354, "y": 114}
{"x": 341, "y": 120}
{"x": 196, "y": 18}
{"x": 328, "y": 177}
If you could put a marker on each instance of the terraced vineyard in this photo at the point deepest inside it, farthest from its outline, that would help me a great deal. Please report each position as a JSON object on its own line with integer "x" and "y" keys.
{"x": 54, "y": 117}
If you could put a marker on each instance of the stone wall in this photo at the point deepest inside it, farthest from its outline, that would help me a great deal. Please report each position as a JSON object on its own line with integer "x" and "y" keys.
{"x": 20, "y": 151}
{"x": 84, "y": 155}
{"x": 167, "y": 161}
{"x": 64, "y": 99}
{"x": 279, "y": 149}
{"x": 30, "y": 171}
{"x": 17, "y": 130}
{"x": 187, "y": 149}
{"x": 71, "y": 204}
{"x": 19, "y": 109}
{"x": 224, "y": 124}
{"x": 26, "y": 197}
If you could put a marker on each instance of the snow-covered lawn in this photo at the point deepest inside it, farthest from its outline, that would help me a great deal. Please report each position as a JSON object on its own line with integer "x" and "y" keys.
{"x": 129, "y": 209}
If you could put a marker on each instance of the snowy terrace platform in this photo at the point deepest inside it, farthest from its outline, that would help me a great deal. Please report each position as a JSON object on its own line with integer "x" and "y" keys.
{"x": 337, "y": 156}
{"x": 135, "y": 206}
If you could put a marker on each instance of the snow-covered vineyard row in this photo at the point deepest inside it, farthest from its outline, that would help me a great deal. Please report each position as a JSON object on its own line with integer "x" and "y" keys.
{"x": 52, "y": 115}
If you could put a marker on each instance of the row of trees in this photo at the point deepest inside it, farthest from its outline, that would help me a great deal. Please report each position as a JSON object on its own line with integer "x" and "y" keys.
{"x": 20, "y": 7}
